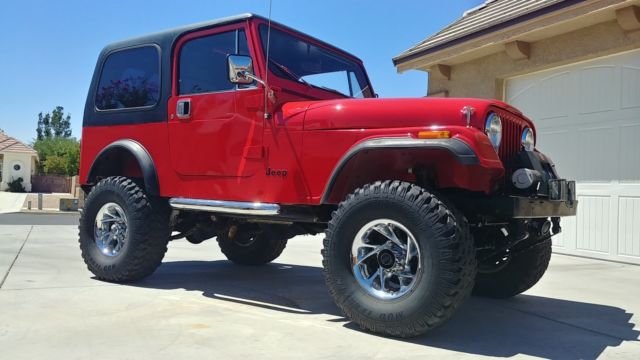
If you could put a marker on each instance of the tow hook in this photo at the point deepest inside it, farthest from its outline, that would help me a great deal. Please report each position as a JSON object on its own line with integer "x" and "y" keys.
{"x": 556, "y": 228}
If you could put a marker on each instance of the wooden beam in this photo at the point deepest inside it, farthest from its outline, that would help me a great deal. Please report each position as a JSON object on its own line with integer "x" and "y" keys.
{"x": 629, "y": 18}
{"x": 518, "y": 50}
{"x": 440, "y": 71}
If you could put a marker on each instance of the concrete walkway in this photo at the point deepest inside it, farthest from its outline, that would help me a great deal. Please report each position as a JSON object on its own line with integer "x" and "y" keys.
{"x": 11, "y": 202}
{"x": 197, "y": 305}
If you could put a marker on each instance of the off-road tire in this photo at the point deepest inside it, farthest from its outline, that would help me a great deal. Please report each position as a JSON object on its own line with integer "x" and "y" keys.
{"x": 267, "y": 245}
{"x": 524, "y": 270}
{"x": 147, "y": 231}
{"x": 448, "y": 259}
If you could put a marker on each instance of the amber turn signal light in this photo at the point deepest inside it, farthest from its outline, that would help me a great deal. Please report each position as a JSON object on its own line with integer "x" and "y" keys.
{"x": 434, "y": 134}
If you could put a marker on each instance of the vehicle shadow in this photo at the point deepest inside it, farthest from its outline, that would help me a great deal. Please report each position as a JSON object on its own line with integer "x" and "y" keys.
{"x": 529, "y": 325}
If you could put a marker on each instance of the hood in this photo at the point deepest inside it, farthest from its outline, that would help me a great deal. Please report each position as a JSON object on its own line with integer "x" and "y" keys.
{"x": 395, "y": 113}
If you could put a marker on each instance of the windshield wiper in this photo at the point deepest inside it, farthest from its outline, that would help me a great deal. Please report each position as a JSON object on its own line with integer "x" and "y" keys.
{"x": 297, "y": 78}
{"x": 331, "y": 90}
{"x": 289, "y": 73}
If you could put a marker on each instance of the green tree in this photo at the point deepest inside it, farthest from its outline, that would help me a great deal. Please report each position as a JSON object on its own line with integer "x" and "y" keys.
{"x": 59, "y": 156}
{"x": 54, "y": 125}
{"x": 58, "y": 152}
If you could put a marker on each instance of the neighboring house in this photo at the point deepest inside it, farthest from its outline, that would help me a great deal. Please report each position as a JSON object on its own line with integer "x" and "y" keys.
{"x": 573, "y": 67}
{"x": 17, "y": 160}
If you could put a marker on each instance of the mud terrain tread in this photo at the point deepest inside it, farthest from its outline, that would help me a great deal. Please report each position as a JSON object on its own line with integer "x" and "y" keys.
{"x": 457, "y": 258}
{"x": 267, "y": 248}
{"x": 524, "y": 270}
{"x": 148, "y": 232}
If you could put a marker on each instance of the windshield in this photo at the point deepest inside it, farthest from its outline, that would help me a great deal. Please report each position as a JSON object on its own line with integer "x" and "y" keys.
{"x": 295, "y": 59}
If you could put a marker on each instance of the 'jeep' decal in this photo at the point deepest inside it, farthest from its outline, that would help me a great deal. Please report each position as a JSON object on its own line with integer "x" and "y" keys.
{"x": 279, "y": 173}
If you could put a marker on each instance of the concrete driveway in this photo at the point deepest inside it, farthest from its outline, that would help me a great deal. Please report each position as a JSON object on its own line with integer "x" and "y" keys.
{"x": 11, "y": 202}
{"x": 197, "y": 305}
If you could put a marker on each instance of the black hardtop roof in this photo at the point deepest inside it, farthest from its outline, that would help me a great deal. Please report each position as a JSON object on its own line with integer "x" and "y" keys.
{"x": 168, "y": 37}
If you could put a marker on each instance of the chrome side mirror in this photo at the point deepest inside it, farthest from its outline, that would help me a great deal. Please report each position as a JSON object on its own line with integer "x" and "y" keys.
{"x": 241, "y": 69}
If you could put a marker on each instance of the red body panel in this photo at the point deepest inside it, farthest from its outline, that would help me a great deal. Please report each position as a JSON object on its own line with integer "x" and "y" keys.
{"x": 226, "y": 150}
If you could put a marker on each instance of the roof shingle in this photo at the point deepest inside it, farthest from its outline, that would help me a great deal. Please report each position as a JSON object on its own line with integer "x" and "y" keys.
{"x": 476, "y": 21}
{"x": 9, "y": 144}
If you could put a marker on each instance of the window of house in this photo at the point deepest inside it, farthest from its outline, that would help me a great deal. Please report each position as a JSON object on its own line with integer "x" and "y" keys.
{"x": 203, "y": 62}
{"x": 130, "y": 78}
{"x": 1, "y": 163}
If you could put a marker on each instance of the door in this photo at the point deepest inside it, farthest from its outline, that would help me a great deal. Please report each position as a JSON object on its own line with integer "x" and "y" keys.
{"x": 212, "y": 127}
{"x": 588, "y": 120}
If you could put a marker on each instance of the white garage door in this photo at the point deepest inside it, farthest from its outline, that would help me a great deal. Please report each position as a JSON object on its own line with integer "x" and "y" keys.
{"x": 588, "y": 120}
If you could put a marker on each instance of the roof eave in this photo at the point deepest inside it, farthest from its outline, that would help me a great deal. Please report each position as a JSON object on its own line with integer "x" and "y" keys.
{"x": 413, "y": 54}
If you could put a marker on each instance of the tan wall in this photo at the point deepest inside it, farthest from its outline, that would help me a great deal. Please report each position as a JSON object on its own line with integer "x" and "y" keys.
{"x": 484, "y": 77}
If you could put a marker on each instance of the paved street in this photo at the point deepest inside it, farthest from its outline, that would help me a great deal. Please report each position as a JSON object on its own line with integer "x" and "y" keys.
{"x": 39, "y": 219}
{"x": 197, "y": 305}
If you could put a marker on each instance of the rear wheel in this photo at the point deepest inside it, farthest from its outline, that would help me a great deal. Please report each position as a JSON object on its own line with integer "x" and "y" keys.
{"x": 123, "y": 232}
{"x": 250, "y": 244}
{"x": 515, "y": 273}
{"x": 397, "y": 260}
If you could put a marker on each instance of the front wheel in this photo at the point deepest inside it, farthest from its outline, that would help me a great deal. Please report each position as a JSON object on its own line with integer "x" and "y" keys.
{"x": 123, "y": 232}
{"x": 397, "y": 260}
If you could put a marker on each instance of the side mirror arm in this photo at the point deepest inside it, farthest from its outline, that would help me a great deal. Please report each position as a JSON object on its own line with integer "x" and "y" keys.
{"x": 246, "y": 74}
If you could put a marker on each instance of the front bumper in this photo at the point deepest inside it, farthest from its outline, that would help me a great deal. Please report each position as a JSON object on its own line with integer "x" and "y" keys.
{"x": 516, "y": 207}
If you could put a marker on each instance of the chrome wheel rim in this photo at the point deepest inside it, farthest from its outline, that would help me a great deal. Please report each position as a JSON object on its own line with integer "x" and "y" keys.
{"x": 385, "y": 259}
{"x": 110, "y": 230}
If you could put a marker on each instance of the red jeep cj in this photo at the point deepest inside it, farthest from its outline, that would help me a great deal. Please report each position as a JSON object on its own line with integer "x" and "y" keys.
{"x": 255, "y": 134}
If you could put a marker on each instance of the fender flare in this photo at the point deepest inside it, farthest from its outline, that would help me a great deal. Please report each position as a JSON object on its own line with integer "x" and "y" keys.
{"x": 141, "y": 155}
{"x": 456, "y": 147}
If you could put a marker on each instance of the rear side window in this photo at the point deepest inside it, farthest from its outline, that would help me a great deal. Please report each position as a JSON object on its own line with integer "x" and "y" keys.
{"x": 203, "y": 62}
{"x": 130, "y": 79}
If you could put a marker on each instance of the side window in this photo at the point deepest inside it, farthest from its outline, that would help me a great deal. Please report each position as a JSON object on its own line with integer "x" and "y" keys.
{"x": 129, "y": 79}
{"x": 203, "y": 62}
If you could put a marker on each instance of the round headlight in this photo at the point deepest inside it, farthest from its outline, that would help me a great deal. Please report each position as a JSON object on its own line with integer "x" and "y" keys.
{"x": 528, "y": 141}
{"x": 493, "y": 128}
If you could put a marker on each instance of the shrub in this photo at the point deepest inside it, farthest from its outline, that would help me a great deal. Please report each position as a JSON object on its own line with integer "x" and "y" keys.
{"x": 16, "y": 186}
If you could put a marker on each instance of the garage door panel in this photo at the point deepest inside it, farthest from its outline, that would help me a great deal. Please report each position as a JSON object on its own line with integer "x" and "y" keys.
{"x": 595, "y": 155}
{"x": 593, "y": 223}
{"x": 598, "y": 90}
{"x": 630, "y": 87}
{"x": 588, "y": 120}
{"x": 629, "y": 153}
{"x": 562, "y": 147}
{"x": 629, "y": 226}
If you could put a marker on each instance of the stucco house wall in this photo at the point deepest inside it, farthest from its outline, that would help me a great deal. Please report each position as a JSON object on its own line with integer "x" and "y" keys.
{"x": 484, "y": 77}
{"x": 25, "y": 163}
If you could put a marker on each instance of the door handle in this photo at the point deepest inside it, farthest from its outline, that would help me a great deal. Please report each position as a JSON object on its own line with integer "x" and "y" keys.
{"x": 183, "y": 108}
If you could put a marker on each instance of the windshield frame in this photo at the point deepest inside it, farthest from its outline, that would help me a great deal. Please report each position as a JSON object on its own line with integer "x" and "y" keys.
{"x": 312, "y": 90}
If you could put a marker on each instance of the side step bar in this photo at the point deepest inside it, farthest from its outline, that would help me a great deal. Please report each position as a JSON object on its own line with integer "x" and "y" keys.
{"x": 227, "y": 207}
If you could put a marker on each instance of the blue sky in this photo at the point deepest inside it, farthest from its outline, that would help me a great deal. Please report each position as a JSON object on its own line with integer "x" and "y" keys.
{"x": 48, "y": 48}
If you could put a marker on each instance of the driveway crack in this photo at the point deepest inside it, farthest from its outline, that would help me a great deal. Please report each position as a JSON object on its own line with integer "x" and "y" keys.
{"x": 6, "y": 275}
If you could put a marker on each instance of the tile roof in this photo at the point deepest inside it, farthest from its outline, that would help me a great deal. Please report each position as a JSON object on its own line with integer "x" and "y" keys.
{"x": 9, "y": 144}
{"x": 490, "y": 16}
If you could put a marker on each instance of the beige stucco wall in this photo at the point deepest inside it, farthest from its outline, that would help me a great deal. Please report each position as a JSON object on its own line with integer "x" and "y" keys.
{"x": 484, "y": 77}
{"x": 8, "y": 173}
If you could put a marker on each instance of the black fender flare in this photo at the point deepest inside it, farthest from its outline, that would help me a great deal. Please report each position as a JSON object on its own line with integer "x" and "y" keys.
{"x": 458, "y": 148}
{"x": 147, "y": 167}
